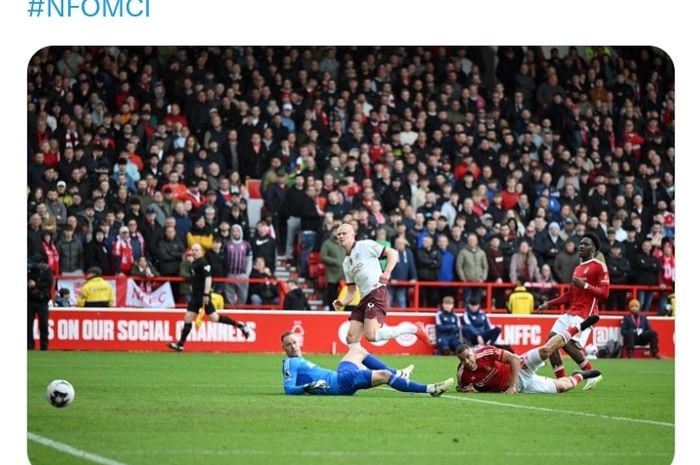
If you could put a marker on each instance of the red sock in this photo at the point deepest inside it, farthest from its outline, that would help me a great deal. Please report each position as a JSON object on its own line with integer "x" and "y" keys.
{"x": 586, "y": 365}
{"x": 560, "y": 371}
{"x": 573, "y": 330}
{"x": 577, "y": 378}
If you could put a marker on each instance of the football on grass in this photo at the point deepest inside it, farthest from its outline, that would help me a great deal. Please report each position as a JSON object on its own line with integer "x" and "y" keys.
{"x": 60, "y": 393}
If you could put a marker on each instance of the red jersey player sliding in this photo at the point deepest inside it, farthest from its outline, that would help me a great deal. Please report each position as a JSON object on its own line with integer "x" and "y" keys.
{"x": 490, "y": 369}
{"x": 589, "y": 285}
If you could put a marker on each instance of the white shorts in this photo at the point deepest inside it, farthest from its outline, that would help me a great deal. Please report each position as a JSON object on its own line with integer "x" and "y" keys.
{"x": 529, "y": 382}
{"x": 566, "y": 321}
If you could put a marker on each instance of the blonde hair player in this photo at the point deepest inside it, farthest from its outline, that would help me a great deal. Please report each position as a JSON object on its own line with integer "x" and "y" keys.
{"x": 364, "y": 275}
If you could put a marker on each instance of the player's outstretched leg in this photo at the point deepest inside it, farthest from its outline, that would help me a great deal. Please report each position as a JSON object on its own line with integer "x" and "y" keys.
{"x": 590, "y": 321}
{"x": 438, "y": 389}
{"x": 404, "y": 385}
{"x": 570, "y": 382}
{"x": 592, "y": 378}
{"x": 374, "y": 363}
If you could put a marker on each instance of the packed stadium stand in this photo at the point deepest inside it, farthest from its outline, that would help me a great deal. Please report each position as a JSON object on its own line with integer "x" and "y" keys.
{"x": 483, "y": 166}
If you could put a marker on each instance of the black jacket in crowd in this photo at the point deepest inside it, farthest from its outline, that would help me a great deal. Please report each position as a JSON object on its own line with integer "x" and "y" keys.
{"x": 296, "y": 300}
{"x": 428, "y": 263}
{"x": 265, "y": 247}
{"x": 618, "y": 269}
{"x": 97, "y": 254}
{"x": 646, "y": 269}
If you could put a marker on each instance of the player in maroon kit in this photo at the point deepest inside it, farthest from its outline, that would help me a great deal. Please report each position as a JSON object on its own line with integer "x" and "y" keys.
{"x": 490, "y": 369}
{"x": 589, "y": 285}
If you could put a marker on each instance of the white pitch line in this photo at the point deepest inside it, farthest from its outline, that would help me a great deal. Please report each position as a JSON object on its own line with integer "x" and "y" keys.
{"x": 565, "y": 412}
{"x": 65, "y": 448}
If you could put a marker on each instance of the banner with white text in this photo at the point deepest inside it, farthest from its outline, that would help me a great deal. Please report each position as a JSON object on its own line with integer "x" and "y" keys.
{"x": 144, "y": 297}
{"x": 321, "y": 332}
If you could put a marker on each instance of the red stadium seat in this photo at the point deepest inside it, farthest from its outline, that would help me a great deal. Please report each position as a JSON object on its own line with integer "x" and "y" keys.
{"x": 315, "y": 265}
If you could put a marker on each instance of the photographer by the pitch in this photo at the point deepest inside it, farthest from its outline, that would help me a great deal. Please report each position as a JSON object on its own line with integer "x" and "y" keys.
{"x": 39, "y": 286}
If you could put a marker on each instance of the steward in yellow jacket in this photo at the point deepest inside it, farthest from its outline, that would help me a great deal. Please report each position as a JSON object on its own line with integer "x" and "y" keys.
{"x": 520, "y": 302}
{"x": 96, "y": 292}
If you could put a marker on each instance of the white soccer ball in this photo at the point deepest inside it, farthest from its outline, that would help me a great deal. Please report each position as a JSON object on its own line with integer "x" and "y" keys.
{"x": 591, "y": 351}
{"x": 60, "y": 393}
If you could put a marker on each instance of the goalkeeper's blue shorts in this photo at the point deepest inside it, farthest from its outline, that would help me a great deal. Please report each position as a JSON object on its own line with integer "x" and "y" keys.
{"x": 351, "y": 378}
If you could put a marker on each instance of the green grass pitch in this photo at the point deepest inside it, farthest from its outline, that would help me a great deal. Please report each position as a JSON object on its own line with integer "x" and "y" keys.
{"x": 190, "y": 409}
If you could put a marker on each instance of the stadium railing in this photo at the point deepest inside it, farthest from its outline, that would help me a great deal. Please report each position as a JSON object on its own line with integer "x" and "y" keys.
{"x": 414, "y": 292}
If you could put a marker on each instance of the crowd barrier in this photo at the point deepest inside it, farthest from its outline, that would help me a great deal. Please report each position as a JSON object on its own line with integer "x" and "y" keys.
{"x": 122, "y": 329}
{"x": 123, "y": 291}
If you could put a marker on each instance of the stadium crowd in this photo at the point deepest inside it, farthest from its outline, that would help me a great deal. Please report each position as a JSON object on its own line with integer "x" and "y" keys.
{"x": 478, "y": 164}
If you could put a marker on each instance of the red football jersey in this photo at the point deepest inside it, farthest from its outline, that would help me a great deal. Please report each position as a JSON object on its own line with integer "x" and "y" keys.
{"x": 584, "y": 302}
{"x": 491, "y": 374}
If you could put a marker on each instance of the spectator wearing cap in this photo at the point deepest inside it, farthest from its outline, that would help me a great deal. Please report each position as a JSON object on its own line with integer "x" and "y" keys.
{"x": 126, "y": 167}
{"x": 288, "y": 117}
{"x": 548, "y": 244}
{"x": 64, "y": 196}
{"x": 568, "y": 228}
{"x": 96, "y": 292}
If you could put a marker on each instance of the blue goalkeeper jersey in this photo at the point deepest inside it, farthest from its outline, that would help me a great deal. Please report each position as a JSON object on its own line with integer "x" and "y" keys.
{"x": 297, "y": 371}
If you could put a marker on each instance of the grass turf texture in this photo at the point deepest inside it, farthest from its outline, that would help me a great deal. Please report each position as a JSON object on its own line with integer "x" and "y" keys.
{"x": 168, "y": 408}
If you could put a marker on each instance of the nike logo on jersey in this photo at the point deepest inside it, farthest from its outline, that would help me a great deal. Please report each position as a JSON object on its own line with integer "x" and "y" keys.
{"x": 258, "y": 242}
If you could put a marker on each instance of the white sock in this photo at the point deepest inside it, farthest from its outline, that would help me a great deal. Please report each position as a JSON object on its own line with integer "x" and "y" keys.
{"x": 390, "y": 332}
{"x": 353, "y": 345}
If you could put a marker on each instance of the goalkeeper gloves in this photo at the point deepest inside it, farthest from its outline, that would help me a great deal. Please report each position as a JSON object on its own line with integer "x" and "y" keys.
{"x": 317, "y": 386}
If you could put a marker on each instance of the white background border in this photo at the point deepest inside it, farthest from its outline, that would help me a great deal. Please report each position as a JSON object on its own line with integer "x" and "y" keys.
{"x": 355, "y": 22}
